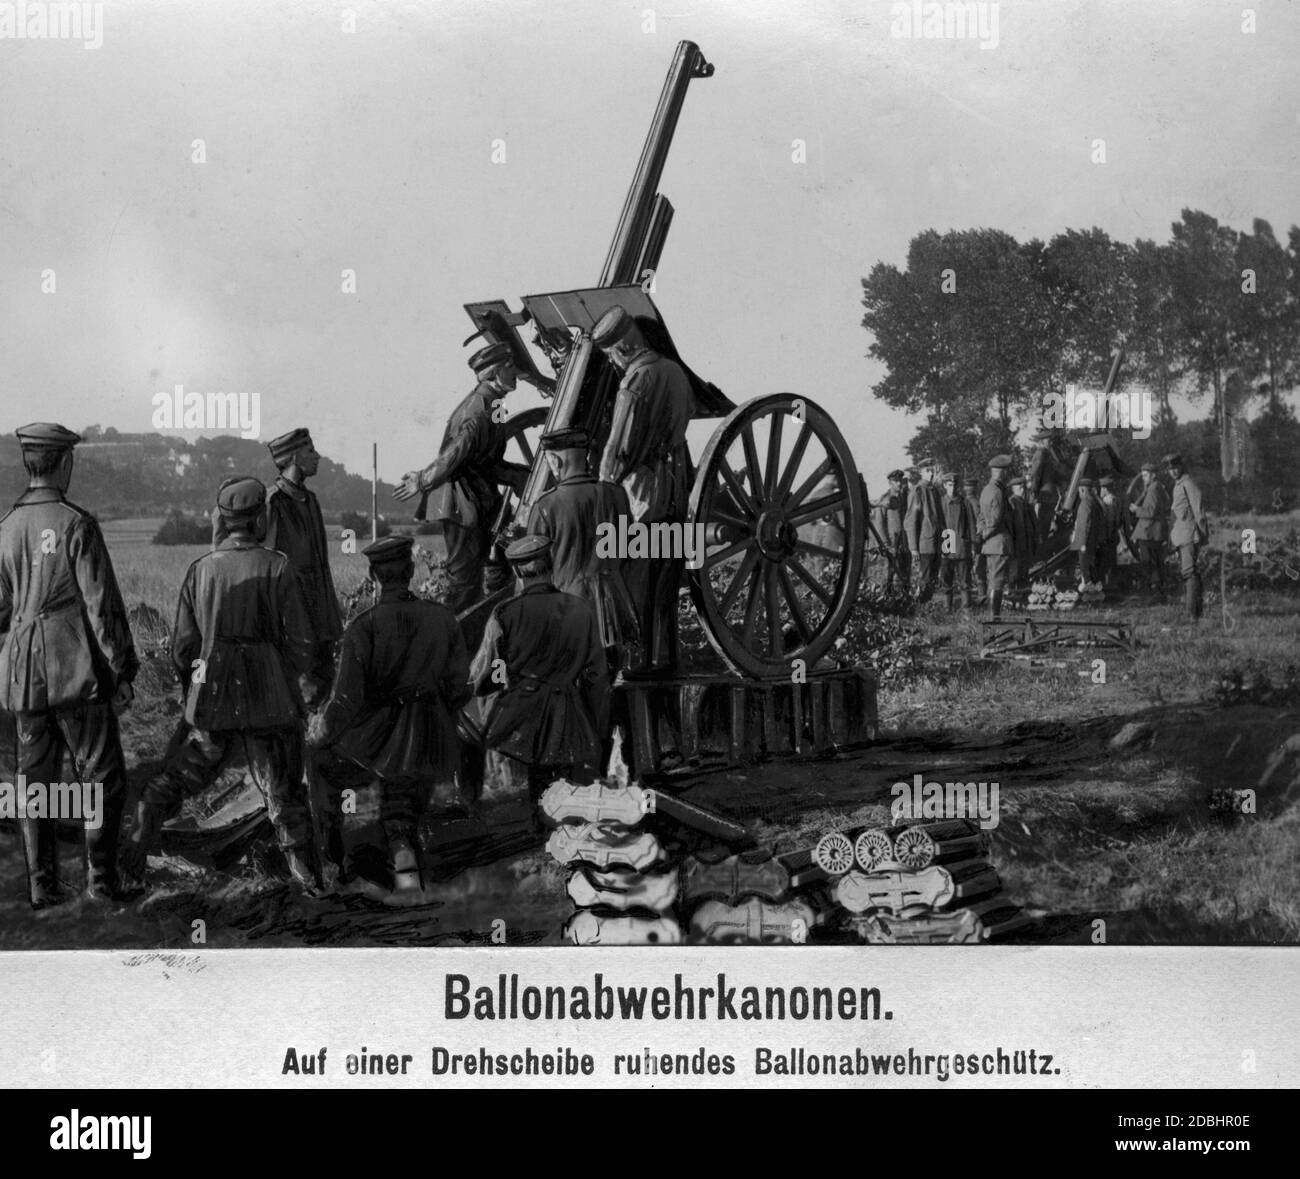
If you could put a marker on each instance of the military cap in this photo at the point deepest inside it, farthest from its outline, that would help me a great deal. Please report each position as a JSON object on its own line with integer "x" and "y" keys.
{"x": 948, "y": 477}
{"x": 929, "y": 462}
{"x": 572, "y": 438}
{"x": 289, "y": 443}
{"x": 894, "y": 474}
{"x": 1170, "y": 459}
{"x": 46, "y": 436}
{"x": 1000, "y": 462}
{"x": 913, "y": 470}
{"x": 612, "y": 327}
{"x": 388, "y": 548}
{"x": 1087, "y": 481}
{"x": 527, "y": 548}
{"x": 970, "y": 482}
{"x": 1016, "y": 481}
{"x": 1107, "y": 481}
{"x": 1149, "y": 466}
{"x": 490, "y": 357}
{"x": 241, "y": 496}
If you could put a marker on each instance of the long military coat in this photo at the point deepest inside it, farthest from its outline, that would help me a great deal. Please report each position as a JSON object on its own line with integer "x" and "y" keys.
{"x": 1152, "y": 510}
{"x": 403, "y": 673}
{"x": 241, "y": 613}
{"x": 553, "y": 709}
{"x": 995, "y": 524}
{"x": 462, "y": 480}
{"x": 1187, "y": 516}
{"x": 64, "y": 634}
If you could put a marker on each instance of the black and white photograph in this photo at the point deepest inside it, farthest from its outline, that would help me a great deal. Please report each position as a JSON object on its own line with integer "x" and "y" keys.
{"x": 781, "y": 508}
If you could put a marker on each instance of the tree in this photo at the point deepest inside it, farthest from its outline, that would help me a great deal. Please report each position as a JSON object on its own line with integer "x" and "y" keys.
{"x": 1268, "y": 324}
{"x": 1154, "y": 344}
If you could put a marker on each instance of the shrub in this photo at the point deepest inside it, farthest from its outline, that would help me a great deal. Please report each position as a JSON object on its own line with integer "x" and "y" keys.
{"x": 179, "y": 528}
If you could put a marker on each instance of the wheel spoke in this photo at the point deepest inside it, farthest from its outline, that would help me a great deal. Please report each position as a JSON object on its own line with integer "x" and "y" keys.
{"x": 792, "y": 467}
{"x": 818, "y": 507}
{"x": 751, "y": 606}
{"x": 751, "y": 461}
{"x": 809, "y": 484}
{"x": 741, "y": 496}
{"x": 792, "y": 597}
{"x": 737, "y": 583}
{"x": 773, "y": 611}
{"x": 730, "y": 551}
{"x": 773, "y": 454}
{"x": 811, "y": 582}
{"x": 717, "y": 517}
{"x": 528, "y": 450}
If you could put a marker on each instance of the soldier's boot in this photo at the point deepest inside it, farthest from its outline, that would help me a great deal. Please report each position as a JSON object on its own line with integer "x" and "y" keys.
{"x": 101, "y": 856}
{"x": 335, "y": 863}
{"x": 948, "y": 594}
{"x": 1192, "y": 597}
{"x": 140, "y": 841}
{"x": 995, "y": 604}
{"x": 965, "y": 598}
{"x": 302, "y": 868}
{"x": 41, "y": 852}
{"x": 402, "y": 853}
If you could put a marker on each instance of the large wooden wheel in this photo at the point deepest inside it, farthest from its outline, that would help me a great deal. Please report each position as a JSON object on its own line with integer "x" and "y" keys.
{"x": 522, "y": 435}
{"x": 780, "y": 498}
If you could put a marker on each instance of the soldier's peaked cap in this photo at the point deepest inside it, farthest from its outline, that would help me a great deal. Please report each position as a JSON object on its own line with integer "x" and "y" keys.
{"x": 1000, "y": 462}
{"x": 571, "y": 438}
{"x": 527, "y": 548}
{"x": 1149, "y": 466}
{"x": 1107, "y": 481}
{"x": 1087, "y": 481}
{"x": 929, "y": 462}
{"x": 46, "y": 436}
{"x": 948, "y": 477}
{"x": 1020, "y": 479}
{"x": 970, "y": 481}
{"x": 894, "y": 474}
{"x": 490, "y": 356}
{"x": 288, "y": 443}
{"x": 1170, "y": 459}
{"x": 389, "y": 548}
{"x": 611, "y": 327}
{"x": 241, "y": 496}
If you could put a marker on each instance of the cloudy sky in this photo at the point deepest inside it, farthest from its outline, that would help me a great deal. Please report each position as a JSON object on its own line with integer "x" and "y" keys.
{"x": 372, "y": 151}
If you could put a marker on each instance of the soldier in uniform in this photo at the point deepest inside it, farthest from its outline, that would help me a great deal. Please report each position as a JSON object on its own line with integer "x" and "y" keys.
{"x": 1150, "y": 510}
{"x": 925, "y": 530}
{"x": 542, "y": 675}
{"x": 391, "y": 716}
{"x": 895, "y": 510}
{"x": 1112, "y": 531}
{"x": 1024, "y": 534}
{"x": 461, "y": 483}
{"x": 975, "y": 563}
{"x": 67, "y": 660}
{"x": 646, "y": 453}
{"x": 245, "y": 651}
{"x": 955, "y": 542}
{"x": 995, "y": 529}
{"x": 570, "y": 515}
{"x": 1188, "y": 531}
{"x": 295, "y": 527}
{"x": 1089, "y": 531}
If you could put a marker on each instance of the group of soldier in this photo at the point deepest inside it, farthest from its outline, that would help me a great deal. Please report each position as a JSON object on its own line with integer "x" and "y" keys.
{"x": 393, "y": 699}
{"x": 976, "y": 547}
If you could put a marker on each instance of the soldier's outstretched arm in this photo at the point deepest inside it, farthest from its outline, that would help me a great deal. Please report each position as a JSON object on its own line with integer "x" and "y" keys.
{"x": 105, "y": 610}
{"x": 348, "y": 695}
{"x": 455, "y": 683}
{"x": 489, "y": 652}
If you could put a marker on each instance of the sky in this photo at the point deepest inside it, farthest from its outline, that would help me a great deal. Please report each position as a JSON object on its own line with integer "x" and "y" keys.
{"x": 372, "y": 151}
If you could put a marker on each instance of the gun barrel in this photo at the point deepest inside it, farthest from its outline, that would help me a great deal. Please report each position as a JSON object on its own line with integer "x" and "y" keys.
{"x": 626, "y": 247}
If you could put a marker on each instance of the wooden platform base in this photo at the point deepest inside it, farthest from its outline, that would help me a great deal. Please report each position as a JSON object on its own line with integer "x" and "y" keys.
{"x": 718, "y": 719}
{"x": 1010, "y": 637}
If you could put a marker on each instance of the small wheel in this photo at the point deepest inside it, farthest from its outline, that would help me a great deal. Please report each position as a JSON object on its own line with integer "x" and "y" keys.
{"x": 872, "y": 847}
{"x": 914, "y": 848}
{"x": 834, "y": 853}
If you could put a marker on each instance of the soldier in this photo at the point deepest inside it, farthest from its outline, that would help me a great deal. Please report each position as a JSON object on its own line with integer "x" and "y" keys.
{"x": 67, "y": 660}
{"x": 1089, "y": 531}
{"x": 1188, "y": 531}
{"x": 1112, "y": 530}
{"x": 391, "y": 716}
{"x": 646, "y": 452}
{"x": 461, "y": 483}
{"x": 1024, "y": 534}
{"x": 295, "y": 527}
{"x": 995, "y": 530}
{"x": 925, "y": 529}
{"x": 541, "y": 668}
{"x": 1150, "y": 509}
{"x": 895, "y": 512}
{"x": 955, "y": 542}
{"x": 975, "y": 563}
{"x": 245, "y": 653}
{"x": 570, "y": 516}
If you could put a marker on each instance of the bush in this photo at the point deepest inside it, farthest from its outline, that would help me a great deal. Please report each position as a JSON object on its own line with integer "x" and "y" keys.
{"x": 179, "y": 528}
{"x": 361, "y": 525}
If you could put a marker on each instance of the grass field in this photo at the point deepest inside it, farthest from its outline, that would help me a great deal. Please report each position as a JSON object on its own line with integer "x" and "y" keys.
{"x": 1111, "y": 792}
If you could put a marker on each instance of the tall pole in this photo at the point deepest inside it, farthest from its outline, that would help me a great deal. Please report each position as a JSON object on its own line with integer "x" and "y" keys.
{"x": 374, "y": 492}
